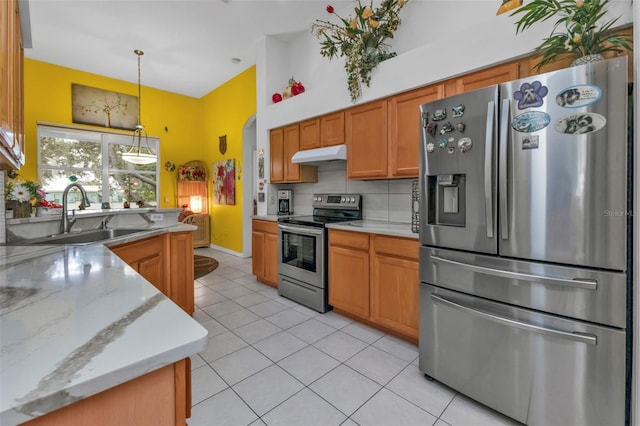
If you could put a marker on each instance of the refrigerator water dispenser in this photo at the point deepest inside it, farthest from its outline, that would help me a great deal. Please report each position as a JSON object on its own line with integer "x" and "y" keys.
{"x": 446, "y": 200}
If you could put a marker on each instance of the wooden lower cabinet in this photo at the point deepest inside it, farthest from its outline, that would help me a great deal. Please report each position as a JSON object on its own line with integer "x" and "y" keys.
{"x": 349, "y": 272}
{"x": 375, "y": 278}
{"x": 395, "y": 284}
{"x": 264, "y": 248}
{"x": 181, "y": 270}
{"x": 166, "y": 261}
{"x": 160, "y": 397}
{"x": 147, "y": 257}
{"x": 201, "y": 235}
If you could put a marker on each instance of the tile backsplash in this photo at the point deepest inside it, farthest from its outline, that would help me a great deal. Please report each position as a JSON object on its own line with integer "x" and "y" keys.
{"x": 388, "y": 200}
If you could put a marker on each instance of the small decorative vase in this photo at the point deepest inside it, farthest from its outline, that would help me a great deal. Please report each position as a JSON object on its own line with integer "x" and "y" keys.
{"x": 20, "y": 208}
{"x": 587, "y": 59}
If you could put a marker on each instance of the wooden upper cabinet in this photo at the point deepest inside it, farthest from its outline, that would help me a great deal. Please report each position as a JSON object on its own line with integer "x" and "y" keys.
{"x": 404, "y": 129}
{"x": 276, "y": 155}
{"x": 332, "y": 129}
{"x": 366, "y": 137}
{"x": 327, "y": 130}
{"x": 310, "y": 134}
{"x": 283, "y": 143}
{"x": 478, "y": 80}
{"x": 291, "y": 146}
{"x": 11, "y": 87}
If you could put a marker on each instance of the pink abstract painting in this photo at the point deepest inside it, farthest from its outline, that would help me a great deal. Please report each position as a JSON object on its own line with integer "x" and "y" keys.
{"x": 224, "y": 182}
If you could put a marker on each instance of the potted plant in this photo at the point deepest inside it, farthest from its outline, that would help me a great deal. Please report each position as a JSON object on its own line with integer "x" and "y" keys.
{"x": 578, "y": 31}
{"x": 360, "y": 39}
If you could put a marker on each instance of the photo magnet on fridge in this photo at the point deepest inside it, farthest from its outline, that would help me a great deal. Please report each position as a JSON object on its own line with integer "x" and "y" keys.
{"x": 530, "y": 142}
{"x": 530, "y": 95}
{"x": 578, "y": 96}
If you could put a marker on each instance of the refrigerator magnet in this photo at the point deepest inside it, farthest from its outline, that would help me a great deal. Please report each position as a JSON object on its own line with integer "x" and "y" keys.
{"x": 530, "y": 121}
{"x": 457, "y": 110}
{"x": 578, "y": 96}
{"x": 530, "y": 95}
{"x": 581, "y": 124}
{"x": 530, "y": 142}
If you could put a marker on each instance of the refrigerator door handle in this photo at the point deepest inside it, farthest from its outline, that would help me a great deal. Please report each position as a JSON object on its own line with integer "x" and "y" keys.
{"x": 589, "y": 339}
{"x": 585, "y": 283}
{"x": 504, "y": 133}
{"x": 488, "y": 175}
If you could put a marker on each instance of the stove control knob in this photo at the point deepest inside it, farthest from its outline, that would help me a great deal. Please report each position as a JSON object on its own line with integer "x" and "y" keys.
{"x": 344, "y": 200}
{"x": 353, "y": 200}
{"x": 319, "y": 199}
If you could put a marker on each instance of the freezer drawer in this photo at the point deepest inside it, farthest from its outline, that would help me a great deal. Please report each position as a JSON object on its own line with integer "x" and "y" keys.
{"x": 586, "y": 294}
{"x": 538, "y": 369}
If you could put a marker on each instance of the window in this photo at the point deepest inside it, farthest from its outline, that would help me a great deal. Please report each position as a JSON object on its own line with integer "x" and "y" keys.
{"x": 94, "y": 158}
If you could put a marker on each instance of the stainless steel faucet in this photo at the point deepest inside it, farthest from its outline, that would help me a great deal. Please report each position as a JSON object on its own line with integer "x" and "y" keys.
{"x": 66, "y": 224}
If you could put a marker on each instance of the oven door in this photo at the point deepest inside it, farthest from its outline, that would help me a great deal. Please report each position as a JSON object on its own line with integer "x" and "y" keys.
{"x": 301, "y": 253}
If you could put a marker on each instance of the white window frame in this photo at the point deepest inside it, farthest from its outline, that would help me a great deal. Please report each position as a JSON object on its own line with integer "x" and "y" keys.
{"x": 104, "y": 138}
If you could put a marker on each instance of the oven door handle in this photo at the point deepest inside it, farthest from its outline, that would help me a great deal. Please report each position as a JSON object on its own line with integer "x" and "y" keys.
{"x": 302, "y": 230}
{"x": 568, "y": 335}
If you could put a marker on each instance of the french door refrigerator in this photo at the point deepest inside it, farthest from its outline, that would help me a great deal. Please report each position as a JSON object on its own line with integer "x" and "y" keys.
{"x": 523, "y": 257}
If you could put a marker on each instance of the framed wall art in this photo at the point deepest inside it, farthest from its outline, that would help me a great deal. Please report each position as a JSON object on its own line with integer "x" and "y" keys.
{"x": 224, "y": 182}
{"x": 103, "y": 108}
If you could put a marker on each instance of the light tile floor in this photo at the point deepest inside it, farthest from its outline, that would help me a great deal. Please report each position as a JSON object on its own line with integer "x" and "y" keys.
{"x": 271, "y": 361}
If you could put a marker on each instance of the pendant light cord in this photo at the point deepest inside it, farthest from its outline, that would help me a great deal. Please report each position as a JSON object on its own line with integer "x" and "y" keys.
{"x": 139, "y": 53}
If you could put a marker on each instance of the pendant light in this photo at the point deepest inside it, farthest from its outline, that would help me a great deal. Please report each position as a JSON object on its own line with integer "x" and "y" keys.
{"x": 135, "y": 156}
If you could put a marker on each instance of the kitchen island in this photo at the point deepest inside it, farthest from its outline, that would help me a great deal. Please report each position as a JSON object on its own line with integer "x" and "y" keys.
{"x": 76, "y": 323}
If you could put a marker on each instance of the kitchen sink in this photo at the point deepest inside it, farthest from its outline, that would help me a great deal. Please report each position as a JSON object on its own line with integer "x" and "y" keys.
{"x": 83, "y": 237}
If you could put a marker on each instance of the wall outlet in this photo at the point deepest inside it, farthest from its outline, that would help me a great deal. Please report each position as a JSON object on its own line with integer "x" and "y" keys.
{"x": 156, "y": 217}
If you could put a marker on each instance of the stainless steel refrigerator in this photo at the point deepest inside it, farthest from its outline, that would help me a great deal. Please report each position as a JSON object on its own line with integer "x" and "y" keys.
{"x": 523, "y": 258}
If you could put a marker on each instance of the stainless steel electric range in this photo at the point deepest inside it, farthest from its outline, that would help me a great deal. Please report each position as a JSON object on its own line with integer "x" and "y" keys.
{"x": 303, "y": 248}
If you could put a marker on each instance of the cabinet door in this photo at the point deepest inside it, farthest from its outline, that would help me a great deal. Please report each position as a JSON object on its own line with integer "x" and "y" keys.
{"x": 404, "y": 129}
{"x": 310, "y": 134}
{"x": 276, "y": 155}
{"x": 11, "y": 87}
{"x": 152, "y": 269}
{"x": 394, "y": 294}
{"x": 201, "y": 235}
{"x": 478, "y": 80}
{"x": 349, "y": 280}
{"x": 257, "y": 255}
{"x": 291, "y": 146}
{"x": 366, "y": 136}
{"x": 181, "y": 270}
{"x": 332, "y": 129}
{"x": 271, "y": 259}
{"x": 140, "y": 252}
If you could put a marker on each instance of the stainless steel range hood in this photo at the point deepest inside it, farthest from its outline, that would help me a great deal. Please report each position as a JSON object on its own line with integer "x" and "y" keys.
{"x": 320, "y": 155}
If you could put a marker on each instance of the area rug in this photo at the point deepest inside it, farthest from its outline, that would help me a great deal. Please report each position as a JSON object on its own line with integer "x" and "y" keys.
{"x": 203, "y": 265}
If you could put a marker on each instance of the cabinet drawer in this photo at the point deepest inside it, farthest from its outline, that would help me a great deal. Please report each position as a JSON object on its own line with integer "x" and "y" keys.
{"x": 139, "y": 250}
{"x": 265, "y": 226}
{"x": 357, "y": 240}
{"x": 395, "y": 246}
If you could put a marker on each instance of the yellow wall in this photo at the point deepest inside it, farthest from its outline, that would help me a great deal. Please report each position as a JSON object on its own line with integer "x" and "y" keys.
{"x": 47, "y": 97}
{"x": 226, "y": 111}
{"x": 192, "y": 129}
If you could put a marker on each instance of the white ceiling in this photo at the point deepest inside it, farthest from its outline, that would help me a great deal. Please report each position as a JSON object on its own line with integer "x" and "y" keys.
{"x": 188, "y": 44}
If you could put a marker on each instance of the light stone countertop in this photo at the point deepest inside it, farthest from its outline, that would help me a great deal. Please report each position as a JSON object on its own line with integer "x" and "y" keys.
{"x": 395, "y": 229}
{"x": 76, "y": 320}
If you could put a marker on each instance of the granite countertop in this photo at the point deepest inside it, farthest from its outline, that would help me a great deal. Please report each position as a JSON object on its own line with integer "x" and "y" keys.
{"x": 396, "y": 229}
{"x": 76, "y": 320}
